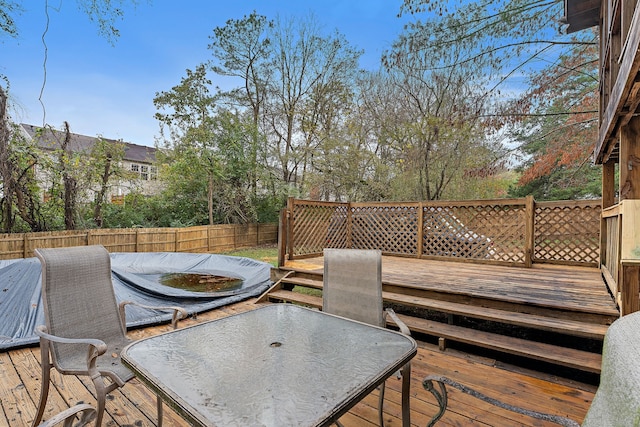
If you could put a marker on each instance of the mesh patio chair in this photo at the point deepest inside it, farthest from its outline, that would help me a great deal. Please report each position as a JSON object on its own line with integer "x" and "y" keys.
{"x": 85, "y": 327}
{"x": 616, "y": 402}
{"x": 353, "y": 289}
{"x": 82, "y": 412}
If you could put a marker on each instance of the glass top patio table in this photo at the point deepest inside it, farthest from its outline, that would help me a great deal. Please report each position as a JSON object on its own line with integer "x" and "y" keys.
{"x": 280, "y": 365}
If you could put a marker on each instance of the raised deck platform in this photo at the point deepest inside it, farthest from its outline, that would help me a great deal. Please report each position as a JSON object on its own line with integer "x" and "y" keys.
{"x": 134, "y": 404}
{"x": 548, "y": 313}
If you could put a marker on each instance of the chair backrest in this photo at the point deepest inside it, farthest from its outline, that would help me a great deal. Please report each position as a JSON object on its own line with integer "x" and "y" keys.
{"x": 353, "y": 284}
{"x": 78, "y": 298}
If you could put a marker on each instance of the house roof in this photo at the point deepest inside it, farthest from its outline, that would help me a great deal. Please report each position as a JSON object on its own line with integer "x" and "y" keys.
{"x": 581, "y": 14}
{"x": 49, "y": 139}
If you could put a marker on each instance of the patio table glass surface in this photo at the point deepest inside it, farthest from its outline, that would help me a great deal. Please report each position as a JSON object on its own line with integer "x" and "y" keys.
{"x": 279, "y": 365}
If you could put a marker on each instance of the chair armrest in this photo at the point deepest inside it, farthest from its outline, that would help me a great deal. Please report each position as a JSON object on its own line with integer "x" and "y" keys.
{"x": 96, "y": 347}
{"x": 99, "y": 345}
{"x": 441, "y": 396}
{"x": 399, "y": 323}
{"x": 179, "y": 313}
{"x": 89, "y": 413}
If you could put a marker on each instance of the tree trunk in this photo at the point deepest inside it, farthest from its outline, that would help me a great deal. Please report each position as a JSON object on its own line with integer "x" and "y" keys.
{"x": 6, "y": 203}
{"x": 70, "y": 184}
{"x": 210, "y": 199}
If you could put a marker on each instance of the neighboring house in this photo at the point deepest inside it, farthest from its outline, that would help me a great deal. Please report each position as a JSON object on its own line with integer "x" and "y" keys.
{"x": 139, "y": 160}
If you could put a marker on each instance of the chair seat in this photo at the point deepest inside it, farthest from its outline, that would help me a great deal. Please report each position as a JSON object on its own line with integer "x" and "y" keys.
{"x": 108, "y": 362}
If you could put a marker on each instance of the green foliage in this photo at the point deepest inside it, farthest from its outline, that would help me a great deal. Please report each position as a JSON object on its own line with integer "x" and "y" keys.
{"x": 559, "y": 134}
{"x": 552, "y": 120}
{"x": 8, "y": 9}
{"x": 563, "y": 184}
{"x": 105, "y": 13}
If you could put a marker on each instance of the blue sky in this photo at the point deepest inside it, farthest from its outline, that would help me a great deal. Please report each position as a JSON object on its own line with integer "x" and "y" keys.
{"x": 108, "y": 90}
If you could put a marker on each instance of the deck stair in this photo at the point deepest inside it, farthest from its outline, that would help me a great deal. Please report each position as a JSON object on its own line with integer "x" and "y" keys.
{"x": 450, "y": 330}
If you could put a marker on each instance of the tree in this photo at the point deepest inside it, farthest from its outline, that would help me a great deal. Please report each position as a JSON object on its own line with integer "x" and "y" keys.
{"x": 106, "y": 160}
{"x": 7, "y": 22}
{"x": 19, "y": 190}
{"x": 436, "y": 129}
{"x": 508, "y": 38}
{"x": 208, "y": 143}
{"x": 240, "y": 49}
{"x": 190, "y": 108}
{"x": 304, "y": 64}
{"x": 105, "y": 13}
{"x": 558, "y": 134}
{"x": 69, "y": 180}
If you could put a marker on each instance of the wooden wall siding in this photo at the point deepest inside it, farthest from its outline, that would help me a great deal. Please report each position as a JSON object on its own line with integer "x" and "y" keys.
{"x": 567, "y": 232}
{"x": 510, "y": 231}
{"x": 214, "y": 238}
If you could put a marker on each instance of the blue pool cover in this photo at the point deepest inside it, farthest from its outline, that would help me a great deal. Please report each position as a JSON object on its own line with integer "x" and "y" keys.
{"x": 134, "y": 277}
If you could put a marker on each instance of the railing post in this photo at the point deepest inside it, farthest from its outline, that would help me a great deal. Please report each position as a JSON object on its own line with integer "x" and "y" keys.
{"x": 289, "y": 222}
{"x": 629, "y": 287}
{"x": 630, "y": 257}
{"x": 282, "y": 237}
{"x": 349, "y": 226}
{"x": 608, "y": 200}
{"x": 420, "y": 229}
{"x": 529, "y": 233}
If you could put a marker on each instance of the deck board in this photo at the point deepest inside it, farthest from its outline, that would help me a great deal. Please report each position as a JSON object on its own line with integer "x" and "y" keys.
{"x": 135, "y": 404}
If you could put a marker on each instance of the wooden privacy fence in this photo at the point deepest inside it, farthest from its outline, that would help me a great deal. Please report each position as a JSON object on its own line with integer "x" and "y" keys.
{"x": 509, "y": 231}
{"x": 206, "y": 238}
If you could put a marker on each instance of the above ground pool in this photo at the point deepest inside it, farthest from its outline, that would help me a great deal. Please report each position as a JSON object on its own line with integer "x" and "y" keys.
{"x": 196, "y": 282}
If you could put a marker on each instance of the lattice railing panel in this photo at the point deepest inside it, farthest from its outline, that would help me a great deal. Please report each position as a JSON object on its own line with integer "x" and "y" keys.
{"x": 318, "y": 226}
{"x": 568, "y": 233}
{"x": 392, "y": 229}
{"x": 562, "y": 232}
{"x": 492, "y": 232}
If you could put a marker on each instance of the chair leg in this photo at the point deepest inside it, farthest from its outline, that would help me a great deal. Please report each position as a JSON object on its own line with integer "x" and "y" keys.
{"x": 406, "y": 394}
{"x": 101, "y": 397}
{"x": 160, "y": 413}
{"x": 46, "y": 379}
{"x": 441, "y": 397}
{"x": 381, "y": 405}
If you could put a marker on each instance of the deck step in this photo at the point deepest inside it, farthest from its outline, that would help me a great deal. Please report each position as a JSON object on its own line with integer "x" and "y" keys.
{"x": 562, "y": 356}
{"x": 304, "y": 281}
{"x": 281, "y": 295}
{"x": 544, "y": 323}
{"x": 562, "y": 326}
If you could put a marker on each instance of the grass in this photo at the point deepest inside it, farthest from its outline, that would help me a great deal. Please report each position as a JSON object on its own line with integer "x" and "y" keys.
{"x": 268, "y": 254}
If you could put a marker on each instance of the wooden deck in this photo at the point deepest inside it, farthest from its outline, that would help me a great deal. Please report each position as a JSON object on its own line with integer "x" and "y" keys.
{"x": 573, "y": 290}
{"x": 134, "y": 405}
